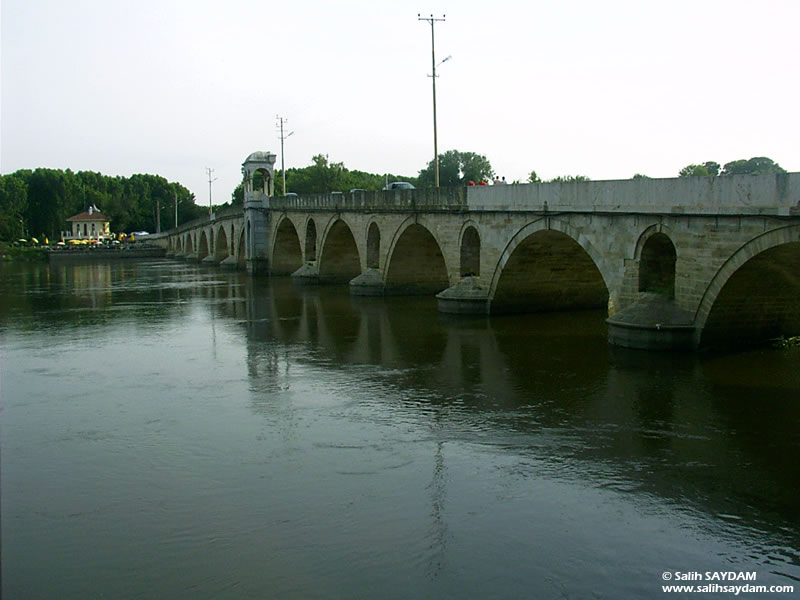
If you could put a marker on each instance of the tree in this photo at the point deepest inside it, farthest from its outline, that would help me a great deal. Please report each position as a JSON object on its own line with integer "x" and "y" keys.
{"x": 534, "y": 178}
{"x": 640, "y": 176}
{"x": 569, "y": 178}
{"x": 457, "y": 168}
{"x": 694, "y": 171}
{"x": 707, "y": 169}
{"x": 758, "y": 165}
{"x": 13, "y": 202}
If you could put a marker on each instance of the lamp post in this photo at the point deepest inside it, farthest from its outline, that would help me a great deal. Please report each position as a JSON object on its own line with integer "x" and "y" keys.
{"x": 432, "y": 20}
{"x": 210, "y": 172}
{"x": 281, "y": 121}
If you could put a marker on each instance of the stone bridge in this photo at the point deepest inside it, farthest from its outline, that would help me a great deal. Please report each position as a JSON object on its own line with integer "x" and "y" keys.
{"x": 687, "y": 262}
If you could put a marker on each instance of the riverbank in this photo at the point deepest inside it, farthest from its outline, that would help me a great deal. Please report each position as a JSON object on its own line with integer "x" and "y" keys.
{"x": 94, "y": 253}
{"x": 10, "y": 253}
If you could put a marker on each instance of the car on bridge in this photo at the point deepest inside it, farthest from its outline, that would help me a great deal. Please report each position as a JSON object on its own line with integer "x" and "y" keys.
{"x": 399, "y": 185}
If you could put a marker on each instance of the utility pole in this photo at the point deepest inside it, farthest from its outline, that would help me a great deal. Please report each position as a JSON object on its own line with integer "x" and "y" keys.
{"x": 282, "y": 137}
{"x": 210, "y": 172}
{"x": 176, "y": 207}
{"x": 432, "y": 20}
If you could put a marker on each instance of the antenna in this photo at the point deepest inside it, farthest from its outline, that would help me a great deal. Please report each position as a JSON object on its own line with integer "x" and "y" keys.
{"x": 210, "y": 172}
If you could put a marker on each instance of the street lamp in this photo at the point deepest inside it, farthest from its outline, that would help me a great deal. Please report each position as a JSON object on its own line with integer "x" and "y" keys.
{"x": 210, "y": 172}
{"x": 432, "y": 20}
{"x": 281, "y": 121}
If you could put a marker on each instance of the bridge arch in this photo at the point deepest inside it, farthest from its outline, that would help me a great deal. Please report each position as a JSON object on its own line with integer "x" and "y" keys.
{"x": 241, "y": 257}
{"x": 416, "y": 263}
{"x": 373, "y": 246}
{"x": 221, "y": 248}
{"x": 546, "y": 266}
{"x": 202, "y": 246}
{"x": 311, "y": 240}
{"x": 470, "y": 244}
{"x": 189, "y": 245}
{"x": 339, "y": 260}
{"x": 287, "y": 255}
{"x": 657, "y": 258}
{"x": 753, "y": 296}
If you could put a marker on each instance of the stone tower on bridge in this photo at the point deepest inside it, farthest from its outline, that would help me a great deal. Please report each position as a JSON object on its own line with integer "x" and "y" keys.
{"x": 259, "y": 185}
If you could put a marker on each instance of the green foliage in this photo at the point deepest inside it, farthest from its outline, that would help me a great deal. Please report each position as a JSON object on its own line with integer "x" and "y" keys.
{"x": 569, "y": 178}
{"x": 44, "y": 198}
{"x": 457, "y": 168}
{"x": 707, "y": 169}
{"x": 693, "y": 171}
{"x": 534, "y": 178}
{"x": 758, "y": 165}
{"x": 323, "y": 176}
{"x": 640, "y": 176}
{"x": 13, "y": 205}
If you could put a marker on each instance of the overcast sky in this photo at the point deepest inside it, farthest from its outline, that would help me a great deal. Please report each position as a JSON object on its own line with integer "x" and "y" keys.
{"x": 602, "y": 89}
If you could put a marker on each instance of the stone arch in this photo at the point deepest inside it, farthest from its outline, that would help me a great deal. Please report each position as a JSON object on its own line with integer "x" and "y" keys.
{"x": 262, "y": 181}
{"x": 753, "y": 296}
{"x": 416, "y": 264}
{"x": 189, "y": 245}
{"x": 287, "y": 255}
{"x": 221, "y": 249}
{"x": 311, "y": 241}
{"x": 241, "y": 260}
{"x": 373, "y": 246}
{"x": 248, "y": 240}
{"x": 202, "y": 246}
{"x": 548, "y": 266}
{"x": 657, "y": 258}
{"x": 470, "y": 251}
{"x": 339, "y": 260}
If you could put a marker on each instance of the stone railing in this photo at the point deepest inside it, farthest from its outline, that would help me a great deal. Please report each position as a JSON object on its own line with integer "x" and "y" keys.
{"x": 447, "y": 199}
{"x": 768, "y": 195}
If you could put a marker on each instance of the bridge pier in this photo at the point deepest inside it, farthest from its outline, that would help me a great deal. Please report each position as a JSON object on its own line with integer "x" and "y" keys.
{"x": 653, "y": 322}
{"x": 308, "y": 274}
{"x": 369, "y": 283}
{"x": 229, "y": 263}
{"x": 468, "y": 297}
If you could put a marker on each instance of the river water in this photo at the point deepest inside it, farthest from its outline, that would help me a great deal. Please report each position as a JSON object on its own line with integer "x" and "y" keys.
{"x": 174, "y": 431}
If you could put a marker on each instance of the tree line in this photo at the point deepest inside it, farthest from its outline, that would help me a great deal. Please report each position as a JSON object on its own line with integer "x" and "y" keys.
{"x": 457, "y": 168}
{"x": 38, "y": 202}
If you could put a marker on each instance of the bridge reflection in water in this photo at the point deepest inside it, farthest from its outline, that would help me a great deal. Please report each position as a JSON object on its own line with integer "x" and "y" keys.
{"x": 675, "y": 263}
{"x": 296, "y": 441}
{"x": 645, "y": 423}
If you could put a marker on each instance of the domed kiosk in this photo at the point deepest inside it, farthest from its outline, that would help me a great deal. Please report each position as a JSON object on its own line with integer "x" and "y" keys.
{"x": 258, "y": 174}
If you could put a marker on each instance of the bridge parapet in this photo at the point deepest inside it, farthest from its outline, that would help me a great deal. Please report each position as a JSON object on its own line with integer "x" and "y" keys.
{"x": 431, "y": 200}
{"x": 767, "y": 195}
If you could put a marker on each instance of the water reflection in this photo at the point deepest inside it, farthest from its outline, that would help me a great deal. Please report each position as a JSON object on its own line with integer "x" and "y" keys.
{"x": 549, "y": 386}
{"x": 537, "y": 398}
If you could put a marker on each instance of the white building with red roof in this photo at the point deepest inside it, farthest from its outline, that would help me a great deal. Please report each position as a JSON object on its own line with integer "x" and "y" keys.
{"x": 88, "y": 225}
